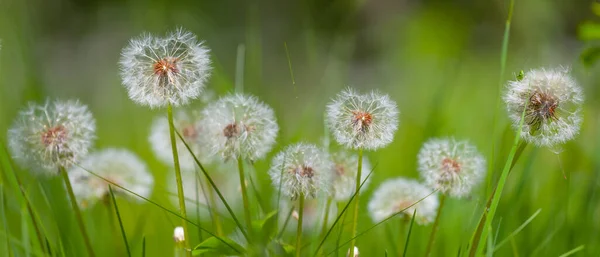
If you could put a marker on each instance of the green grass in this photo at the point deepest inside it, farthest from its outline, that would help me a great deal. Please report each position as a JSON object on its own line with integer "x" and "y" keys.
{"x": 438, "y": 60}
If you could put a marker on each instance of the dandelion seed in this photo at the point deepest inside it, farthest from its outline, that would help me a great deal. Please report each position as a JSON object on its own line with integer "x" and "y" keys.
{"x": 55, "y": 134}
{"x": 119, "y": 166}
{"x": 396, "y": 195}
{"x": 356, "y": 253}
{"x": 344, "y": 170}
{"x": 553, "y": 100}
{"x": 158, "y": 71}
{"x": 301, "y": 169}
{"x": 452, "y": 167}
{"x": 178, "y": 235}
{"x": 366, "y": 121}
{"x": 240, "y": 126}
{"x": 191, "y": 129}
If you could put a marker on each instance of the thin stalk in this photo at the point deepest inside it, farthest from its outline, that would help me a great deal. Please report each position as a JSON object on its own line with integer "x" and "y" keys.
{"x": 75, "y": 207}
{"x": 436, "y": 223}
{"x": 180, "y": 195}
{"x": 245, "y": 195}
{"x": 357, "y": 194}
{"x": 299, "y": 229}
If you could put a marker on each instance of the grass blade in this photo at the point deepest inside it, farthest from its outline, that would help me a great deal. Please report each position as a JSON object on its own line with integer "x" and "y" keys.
{"x": 112, "y": 196}
{"x": 514, "y": 233}
{"x": 412, "y": 221}
{"x": 569, "y": 253}
{"x": 144, "y": 246}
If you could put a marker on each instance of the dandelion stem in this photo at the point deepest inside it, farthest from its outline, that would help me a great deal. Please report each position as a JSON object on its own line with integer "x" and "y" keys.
{"x": 244, "y": 194}
{"x": 299, "y": 230}
{"x": 325, "y": 219}
{"x": 78, "y": 216}
{"x": 436, "y": 223}
{"x": 213, "y": 210}
{"x": 180, "y": 195}
{"x": 355, "y": 220}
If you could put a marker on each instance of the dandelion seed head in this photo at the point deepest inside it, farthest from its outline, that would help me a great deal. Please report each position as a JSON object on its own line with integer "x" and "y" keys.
{"x": 157, "y": 71}
{"x": 51, "y": 135}
{"x": 189, "y": 125}
{"x": 450, "y": 166}
{"x": 240, "y": 126}
{"x": 553, "y": 100}
{"x": 396, "y": 195}
{"x": 344, "y": 169}
{"x": 366, "y": 121}
{"x": 301, "y": 169}
{"x": 119, "y": 166}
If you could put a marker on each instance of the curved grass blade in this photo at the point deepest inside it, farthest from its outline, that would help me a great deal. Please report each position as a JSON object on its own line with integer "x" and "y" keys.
{"x": 412, "y": 221}
{"x": 144, "y": 246}
{"x": 213, "y": 185}
{"x": 519, "y": 229}
{"x": 337, "y": 219}
{"x": 112, "y": 196}
{"x": 154, "y": 203}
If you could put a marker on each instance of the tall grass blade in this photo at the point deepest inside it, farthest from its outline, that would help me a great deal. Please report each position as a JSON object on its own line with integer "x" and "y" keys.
{"x": 112, "y": 197}
{"x": 412, "y": 221}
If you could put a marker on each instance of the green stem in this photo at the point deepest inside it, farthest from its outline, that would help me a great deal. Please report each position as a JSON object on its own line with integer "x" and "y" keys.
{"x": 436, "y": 223}
{"x": 299, "y": 229}
{"x": 215, "y": 214}
{"x": 325, "y": 219}
{"x": 356, "y": 205}
{"x": 244, "y": 195}
{"x": 180, "y": 195}
{"x": 75, "y": 207}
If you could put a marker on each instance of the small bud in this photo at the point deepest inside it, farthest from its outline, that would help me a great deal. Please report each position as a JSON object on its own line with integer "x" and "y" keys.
{"x": 356, "y": 253}
{"x": 295, "y": 215}
{"x": 179, "y": 235}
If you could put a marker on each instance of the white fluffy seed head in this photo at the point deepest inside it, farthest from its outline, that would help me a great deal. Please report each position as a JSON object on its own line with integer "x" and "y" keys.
{"x": 396, "y": 195}
{"x": 366, "y": 121}
{"x": 344, "y": 169}
{"x": 240, "y": 126}
{"x": 191, "y": 129}
{"x": 553, "y": 100}
{"x": 157, "y": 71}
{"x": 301, "y": 169}
{"x": 119, "y": 166}
{"x": 52, "y": 135}
{"x": 450, "y": 166}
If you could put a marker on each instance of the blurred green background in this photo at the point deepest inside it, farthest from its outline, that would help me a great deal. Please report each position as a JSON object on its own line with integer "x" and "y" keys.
{"x": 439, "y": 60}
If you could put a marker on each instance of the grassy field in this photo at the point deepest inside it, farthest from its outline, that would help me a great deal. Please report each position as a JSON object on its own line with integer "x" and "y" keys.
{"x": 440, "y": 61}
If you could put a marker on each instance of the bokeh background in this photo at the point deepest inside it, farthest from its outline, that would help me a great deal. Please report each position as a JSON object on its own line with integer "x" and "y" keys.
{"x": 439, "y": 60}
